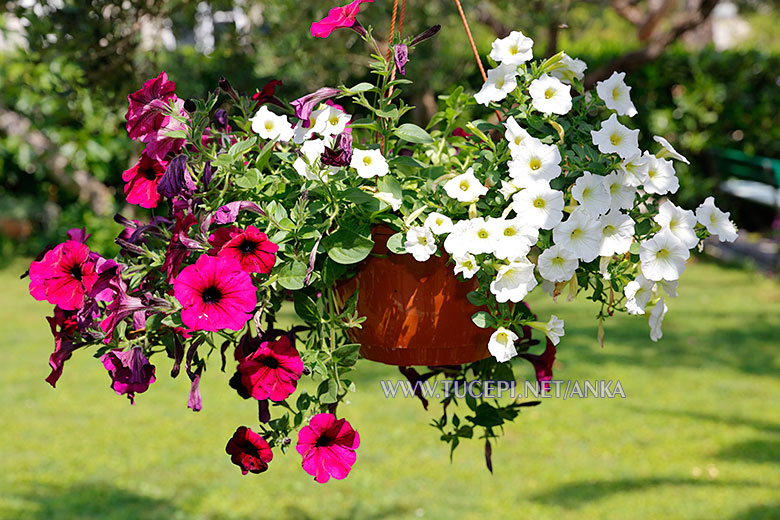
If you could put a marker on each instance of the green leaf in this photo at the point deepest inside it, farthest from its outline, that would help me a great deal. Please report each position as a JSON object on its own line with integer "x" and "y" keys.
{"x": 249, "y": 179}
{"x": 487, "y": 415}
{"x": 291, "y": 275}
{"x": 483, "y": 319}
{"x": 405, "y": 160}
{"x": 396, "y": 244}
{"x": 347, "y": 247}
{"x": 361, "y": 87}
{"x": 358, "y": 196}
{"x": 303, "y": 402}
{"x": 242, "y": 147}
{"x": 176, "y": 134}
{"x": 327, "y": 391}
{"x": 477, "y": 298}
{"x": 413, "y": 133}
{"x": 305, "y": 307}
{"x": 365, "y": 123}
{"x": 390, "y": 184}
{"x": 387, "y": 114}
{"x": 265, "y": 155}
{"x": 347, "y": 355}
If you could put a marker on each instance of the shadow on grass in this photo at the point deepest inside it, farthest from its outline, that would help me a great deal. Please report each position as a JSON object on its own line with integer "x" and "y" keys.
{"x": 355, "y": 513}
{"x": 760, "y": 512}
{"x": 576, "y": 494}
{"x": 754, "y": 450}
{"x": 86, "y": 501}
{"x": 730, "y": 420}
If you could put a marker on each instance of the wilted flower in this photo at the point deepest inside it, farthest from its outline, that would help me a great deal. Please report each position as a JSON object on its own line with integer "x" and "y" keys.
{"x": 656, "y": 319}
{"x": 177, "y": 179}
{"x": 305, "y": 105}
{"x": 130, "y": 371}
{"x": 543, "y": 364}
{"x": 148, "y": 106}
{"x": 401, "y": 56}
{"x": 249, "y": 451}
{"x": 340, "y": 154}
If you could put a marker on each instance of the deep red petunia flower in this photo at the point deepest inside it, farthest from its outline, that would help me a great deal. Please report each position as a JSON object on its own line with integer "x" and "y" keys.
{"x": 141, "y": 181}
{"x": 215, "y": 293}
{"x": 272, "y": 371}
{"x": 328, "y": 447}
{"x": 148, "y": 105}
{"x": 64, "y": 276}
{"x": 337, "y": 18}
{"x": 63, "y": 325}
{"x": 251, "y": 248}
{"x": 249, "y": 451}
{"x": 543, "y": 364}
{"x": 130, "y": 371}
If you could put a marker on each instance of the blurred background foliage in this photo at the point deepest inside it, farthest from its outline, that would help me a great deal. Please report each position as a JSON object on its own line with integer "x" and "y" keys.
{"x": 67, "y": 67}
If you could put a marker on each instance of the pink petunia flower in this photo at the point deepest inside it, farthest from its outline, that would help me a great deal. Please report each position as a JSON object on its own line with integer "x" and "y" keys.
{"x": 337, "y": 18}
{"x": 272, "y": 371}
{"x": 64, "y": 276}
{"x": 141, "y": 181}
{"x": 130, "y": 371}
{"x": 249, "y": 451}
{"x": 250, "y": 247}
{"x": 158, "y": 143}
{"x": 215, "y": 293}
{"x": 328, "y": 447}
{"x": 146, "y": 113}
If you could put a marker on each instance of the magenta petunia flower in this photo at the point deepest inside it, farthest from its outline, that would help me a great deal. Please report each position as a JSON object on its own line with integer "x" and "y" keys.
{"x": 249, "y": 451}
{"x": 148, "y": 105}
{"x": 141, "y": 181}
{"x": 215, "y": 293}
{"x": 543, "y": 364}
{"x": 158, "y": 143}
{"x": 305, "y": 105}
{"x": 251, "y": 248}
{"x": 272, "y": 371}
{"x": 130, "y": 371}
{"x": 63, "y": 325}
{"x": 64, "y": 276}
{"x": 328, "y": 447}
{"x": 337, "y": 18}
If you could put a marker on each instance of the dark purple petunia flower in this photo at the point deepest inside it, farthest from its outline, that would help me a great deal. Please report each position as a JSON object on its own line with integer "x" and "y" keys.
{"x": 249, "y": 451}
{"x": 177, "y": 251}
{"x": 148, "y": 105}
{"x": 543, "y": 364}
{"x": 63, "y": 327}
{"x": 305, "y": 106}
{"x": 430, "y": 32}
{"x": 401, "y": 55}
{"x": 130, "y": 371}
{"x": 177, "y": 179}
{"x": 341, "y": 153}
{"x": 221, "y": 119}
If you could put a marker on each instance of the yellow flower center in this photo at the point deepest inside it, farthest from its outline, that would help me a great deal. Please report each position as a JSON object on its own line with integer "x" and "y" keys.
{"x": 513, "y": 50}
{"x": 662, "y": 254}
{"x": 464, "y": 185}
{"x": 482, "y": 233}
{"x": 550, "y": 92}
{"x": 535, "y": 164}
{"x": 502, "y": 337}
{"x": 500, "y": 83}
{"x": 609, "y": 230}
{"x": 367, "y": 160}
{"x": 586, "y": 193}
{"x": 613, "y": 188}
{"x": 510, "y": 232}
{"x": 334, "y": 120}
{"x": 576, "y": 234}
{"x": 557, "y": 261}
{"x": 539, "y": 203}
{"x": 615, "y": 93}
{"x": 652, "y": 173}
{"x": 518, "y": 139}
{"x": 269, "y": 125}
{"x": 615, "y": 139}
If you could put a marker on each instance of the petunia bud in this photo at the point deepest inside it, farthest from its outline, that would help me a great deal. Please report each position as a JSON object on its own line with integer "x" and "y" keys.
{"x": 228, "y": 89}
{"x": 401, "y": 54}
{"x": 176, "y": 179}
{"x": 428, "y": 33}
{"x": 305, "y": 105}
{"x": 189, "y": 105}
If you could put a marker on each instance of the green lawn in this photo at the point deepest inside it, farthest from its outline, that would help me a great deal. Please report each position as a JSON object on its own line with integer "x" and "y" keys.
{"x": 698, "y": 435}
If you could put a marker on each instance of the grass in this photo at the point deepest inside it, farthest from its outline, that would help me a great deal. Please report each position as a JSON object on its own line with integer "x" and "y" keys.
{"x": 698, "y": 435}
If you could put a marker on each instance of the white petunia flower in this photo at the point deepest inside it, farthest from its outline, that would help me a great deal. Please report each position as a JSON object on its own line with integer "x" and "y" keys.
{"x": 513, "y": 238}
{"x": 660, "y": 176}
{"x": 502, "y": 344}
{"x": 570, "y": 69}
{"x": 515, "y": 49}
{"x": 668, "y": 150}
{"x": 716, "y": 221}
{"x": 591, "y": 192}
{"x": 616, "y": 94}
{"x": 465, "y": 187}
{"x": 389, "y": 199}
{"x": 508, "y": 189}
{"x": 438, "y": 224}
{"x": 420, "y": 243}
{"x": 554, "y": 330}
{"x": 621, "y": 194}
{"x": 581, "y": 234}
{"x": 514, "y": 281}
{"x": 514, "y": 134}
{"x": 635, "y": 169}
{"x": 500, "y": 82}
{"x": 550, "y": 95}
{"x": 617, "y": 233}
{"x": 268, "y": 125}
{"x": 638, "y": 292}
{"x": 656, "y": 319}
{"x": 534, "y": 161}
{"x": 466, "y": 265}
{"x": 669, "y": 287}
{"x": 557, "y": 264}
{"x": 309, "y": 166}
{"x": 329, "y": 120}
{"x": 456, "y": 243}
{"x": 613, "y": 137}
{"x": 539, "y": 205}
{"x": 369, "y": 163}
{"x": 679, "y": 221}
{"x": 663, "y": 257}
{"x": 481, "y": 236}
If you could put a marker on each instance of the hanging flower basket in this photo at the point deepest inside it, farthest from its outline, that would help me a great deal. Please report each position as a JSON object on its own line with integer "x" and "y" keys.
{"x": 417, "y": 313}
{"x": 411, "y": 246}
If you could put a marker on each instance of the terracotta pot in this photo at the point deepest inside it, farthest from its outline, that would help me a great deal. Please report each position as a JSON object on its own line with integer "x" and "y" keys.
{"x": 417, "y": 312}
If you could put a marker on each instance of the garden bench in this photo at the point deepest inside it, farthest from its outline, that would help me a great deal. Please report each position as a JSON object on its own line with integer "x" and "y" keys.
{"x": 752, "y": 178}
